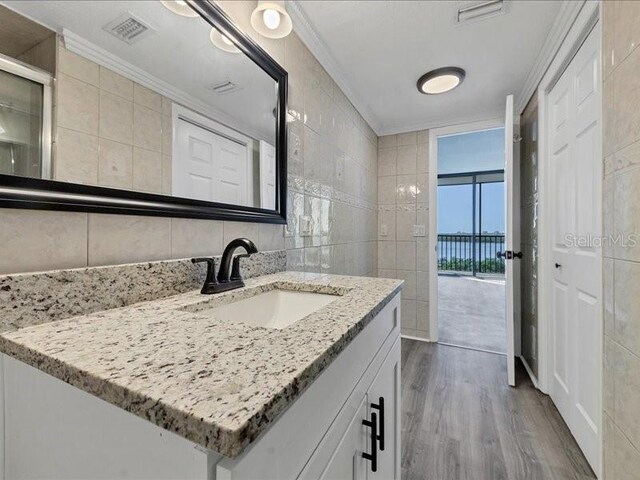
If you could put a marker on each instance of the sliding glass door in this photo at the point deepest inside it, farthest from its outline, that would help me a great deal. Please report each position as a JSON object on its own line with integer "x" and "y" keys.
{"x": 471, "y": 222}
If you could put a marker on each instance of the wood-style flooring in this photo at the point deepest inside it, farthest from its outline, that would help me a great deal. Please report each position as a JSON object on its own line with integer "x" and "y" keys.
{"x": 460, "y": 420}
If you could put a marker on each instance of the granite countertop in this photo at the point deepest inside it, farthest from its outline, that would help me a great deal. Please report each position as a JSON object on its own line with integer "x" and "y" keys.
{"x": 217, "y": 383}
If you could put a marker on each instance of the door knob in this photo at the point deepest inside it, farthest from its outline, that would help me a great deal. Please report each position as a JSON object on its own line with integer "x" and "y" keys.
{"x": 509, "y": 254}
{"x": 558, "y": 265}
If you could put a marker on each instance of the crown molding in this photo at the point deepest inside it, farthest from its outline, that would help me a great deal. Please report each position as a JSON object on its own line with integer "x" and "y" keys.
{"x": 451, "y": 122}
{"x": 564, "y": 20}
{"x": 96, "y": 54}
{"x": 320, "y": 50}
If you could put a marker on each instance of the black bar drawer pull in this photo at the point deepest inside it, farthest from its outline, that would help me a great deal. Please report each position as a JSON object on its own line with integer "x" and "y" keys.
{"x": 380, "y": 407}
{"x": 373, "y": 456}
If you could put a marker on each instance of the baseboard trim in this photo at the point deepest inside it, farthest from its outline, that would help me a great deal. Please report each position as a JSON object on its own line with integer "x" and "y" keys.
{"x": 420, "y": 339}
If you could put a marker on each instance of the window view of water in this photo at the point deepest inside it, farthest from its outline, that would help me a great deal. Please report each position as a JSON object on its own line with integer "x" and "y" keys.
{"x": 471, "y": 204}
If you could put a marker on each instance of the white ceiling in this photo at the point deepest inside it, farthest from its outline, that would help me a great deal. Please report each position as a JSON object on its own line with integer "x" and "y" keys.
{"x": 378, "y": 50}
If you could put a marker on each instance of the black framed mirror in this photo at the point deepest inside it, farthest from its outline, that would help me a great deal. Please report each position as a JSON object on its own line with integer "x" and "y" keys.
{"x": 142, "y": 109}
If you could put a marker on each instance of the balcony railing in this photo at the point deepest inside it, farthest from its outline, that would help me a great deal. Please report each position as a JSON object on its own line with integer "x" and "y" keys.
{"x": 473, "y": 254}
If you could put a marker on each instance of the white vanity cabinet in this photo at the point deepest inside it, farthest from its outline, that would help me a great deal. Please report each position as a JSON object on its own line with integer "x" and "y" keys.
{"x": 346, "y": 461}
{"x": 322, "y": 435}
{"x": 53, "y": 430}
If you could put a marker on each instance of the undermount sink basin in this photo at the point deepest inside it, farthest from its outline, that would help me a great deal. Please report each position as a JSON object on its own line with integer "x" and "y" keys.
{"x": 273, "y": 309}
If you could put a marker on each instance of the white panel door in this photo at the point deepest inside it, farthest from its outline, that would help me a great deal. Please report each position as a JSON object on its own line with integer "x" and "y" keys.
{"x": 233, "y": 173}
{"x": 211, "y": 167}
{"x": 575, "y": 154}
{"x": 561, "y": 198}
{"x": 267, "y": 175}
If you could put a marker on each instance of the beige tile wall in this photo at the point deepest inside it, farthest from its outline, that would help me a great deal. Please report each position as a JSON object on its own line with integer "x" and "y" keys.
{"x": 621, "y": 142}
{"x": 403, "y": 198}
{"x": 332, "y": 165}
{"x": 110, "y": 131}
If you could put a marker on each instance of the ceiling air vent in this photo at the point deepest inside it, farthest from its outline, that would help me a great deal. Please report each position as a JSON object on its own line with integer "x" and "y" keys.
{"x": 224, "y": 88}
{"x": 128, "y": 28}
{"x": 468, "y": 12}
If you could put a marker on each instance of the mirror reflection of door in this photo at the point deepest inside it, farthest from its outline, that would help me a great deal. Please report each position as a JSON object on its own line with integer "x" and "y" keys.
{"x": 211, "y": 166}
{"x": 215, "y": 163}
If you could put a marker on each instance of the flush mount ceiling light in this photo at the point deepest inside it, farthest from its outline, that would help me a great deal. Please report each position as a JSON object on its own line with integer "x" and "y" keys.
{"x": 270, "y": 19}
{"x": 440, "y": 80}
{"x": 222, "y": 42}
{"x": 180, "y": 7}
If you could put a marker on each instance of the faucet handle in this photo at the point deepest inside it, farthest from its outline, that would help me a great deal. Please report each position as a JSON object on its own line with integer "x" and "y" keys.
{"x": 211, "y": 268}
{"x": 235, "y": 269}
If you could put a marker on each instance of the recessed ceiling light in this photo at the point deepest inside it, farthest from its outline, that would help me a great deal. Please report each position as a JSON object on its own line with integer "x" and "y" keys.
{"x": 180, "y": 7}
{"x": 270, "y": 19}
{"x": 440, "y": 80}
{"x": 222, "y": 41}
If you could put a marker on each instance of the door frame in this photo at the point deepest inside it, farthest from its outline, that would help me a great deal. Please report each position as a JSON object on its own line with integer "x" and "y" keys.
{"x": 434, "y": 133}
{"x": 588, "y": 20}
{"x": 263, "y": 172}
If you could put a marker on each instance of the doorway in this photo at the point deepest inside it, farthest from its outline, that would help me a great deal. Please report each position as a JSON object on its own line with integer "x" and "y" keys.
{"x": 471, "y": 239}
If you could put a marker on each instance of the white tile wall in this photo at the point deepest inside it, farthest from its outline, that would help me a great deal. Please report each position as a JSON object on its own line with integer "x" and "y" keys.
{"x": 621, "y": 141}
{"x": 402, "y": 203}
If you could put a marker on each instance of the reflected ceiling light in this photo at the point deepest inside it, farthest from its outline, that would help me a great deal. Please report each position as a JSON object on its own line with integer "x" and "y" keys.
{"x": 180, "y": 7}
{"x": 440, "y": 80}
{"x": 292, "y": 115}
{"x": 270, "y": 19}
{"x": 222, "y": 41}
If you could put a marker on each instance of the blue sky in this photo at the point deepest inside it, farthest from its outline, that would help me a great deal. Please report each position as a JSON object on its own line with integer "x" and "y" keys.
{"x": 469, "y": 152}
{"x": 476, "y": 151}
{"x": 455, "y": 208}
